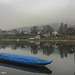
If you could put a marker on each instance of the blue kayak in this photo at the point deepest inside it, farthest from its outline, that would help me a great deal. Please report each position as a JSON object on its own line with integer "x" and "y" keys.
{"x": 30, "y": 60}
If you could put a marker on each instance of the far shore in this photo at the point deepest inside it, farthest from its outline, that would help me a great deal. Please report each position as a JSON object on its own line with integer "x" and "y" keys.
{"x": 34, "y": 40}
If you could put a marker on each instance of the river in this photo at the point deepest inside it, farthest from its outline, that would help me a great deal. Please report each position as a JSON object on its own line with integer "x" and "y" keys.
{"x": 61, "y": 53}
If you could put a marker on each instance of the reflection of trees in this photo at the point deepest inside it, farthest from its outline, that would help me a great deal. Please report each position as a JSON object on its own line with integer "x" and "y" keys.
{"x": 34, "y": 48}
{"x": 62, "y": 50}
{"x": 47, "y": 48}
{"x": 14, "y": 45}
{"x": 21, "y": 45}
{"x": 3, "y": 45}
{"x": 65, "y": 49}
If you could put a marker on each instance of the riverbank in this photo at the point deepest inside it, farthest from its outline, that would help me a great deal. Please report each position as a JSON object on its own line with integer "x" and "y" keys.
{"x": 28, "y": 38}
{"x": 34, "y": 40}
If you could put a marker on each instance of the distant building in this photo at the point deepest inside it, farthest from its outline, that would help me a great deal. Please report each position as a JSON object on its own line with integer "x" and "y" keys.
{"x": 46, "y": 34}
{"x": 39, "y": 32}
{"x": 38, "y": 37}
{"x": 55, "y": 33}
{"x": 24, "y": 32}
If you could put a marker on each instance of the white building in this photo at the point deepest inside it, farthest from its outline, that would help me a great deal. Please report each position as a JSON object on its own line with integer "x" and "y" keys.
{"x": 46, "y": 34}
{"x": 38, "y": 37}
{"x": 55, "y": 33}
{"x": 25, "y": 32}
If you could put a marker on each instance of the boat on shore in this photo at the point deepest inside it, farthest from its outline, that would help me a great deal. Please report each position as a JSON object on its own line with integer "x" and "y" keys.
{"x": 29, "y": 60}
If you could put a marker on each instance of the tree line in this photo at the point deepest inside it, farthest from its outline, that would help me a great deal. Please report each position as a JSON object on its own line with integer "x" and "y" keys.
{"x": 63, "y": 29}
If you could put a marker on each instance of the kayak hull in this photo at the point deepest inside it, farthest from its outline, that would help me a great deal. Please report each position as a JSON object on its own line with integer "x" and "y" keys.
{"x": 24, "y": 59}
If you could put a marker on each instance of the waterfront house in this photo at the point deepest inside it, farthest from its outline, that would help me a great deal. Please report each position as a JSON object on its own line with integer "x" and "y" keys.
{"x": 55, "y": 33}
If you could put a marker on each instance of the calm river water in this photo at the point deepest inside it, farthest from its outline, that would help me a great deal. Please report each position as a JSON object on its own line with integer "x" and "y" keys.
{"x": 61, "y": 53}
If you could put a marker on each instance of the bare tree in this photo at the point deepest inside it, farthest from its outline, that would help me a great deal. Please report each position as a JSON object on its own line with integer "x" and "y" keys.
{"x": 65, "y": 29}
{"x": 48, "y": 29}
{"x": 34, "y": 30}
{"x": 71, "y": 31}
{"x": 61, "y": 29}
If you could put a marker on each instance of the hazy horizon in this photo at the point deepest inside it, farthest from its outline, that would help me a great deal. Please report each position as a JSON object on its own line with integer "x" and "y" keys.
{"x": 23, "y": 13}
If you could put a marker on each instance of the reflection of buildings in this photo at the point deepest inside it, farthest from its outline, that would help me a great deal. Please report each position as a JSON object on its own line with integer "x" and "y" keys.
{"x": 38, "y": 43}
{"x": 55, "y": 46}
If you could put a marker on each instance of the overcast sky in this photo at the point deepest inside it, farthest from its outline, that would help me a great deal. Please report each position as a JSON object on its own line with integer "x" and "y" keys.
{"x": 22, "y": 13}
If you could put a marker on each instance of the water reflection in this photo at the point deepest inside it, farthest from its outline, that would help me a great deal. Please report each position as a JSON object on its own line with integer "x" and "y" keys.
{"x": 34, "y": 48}
{"x": 47, "y": 48}
{"x": 66, "y": 48}
{"x": 29, "y": 68}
